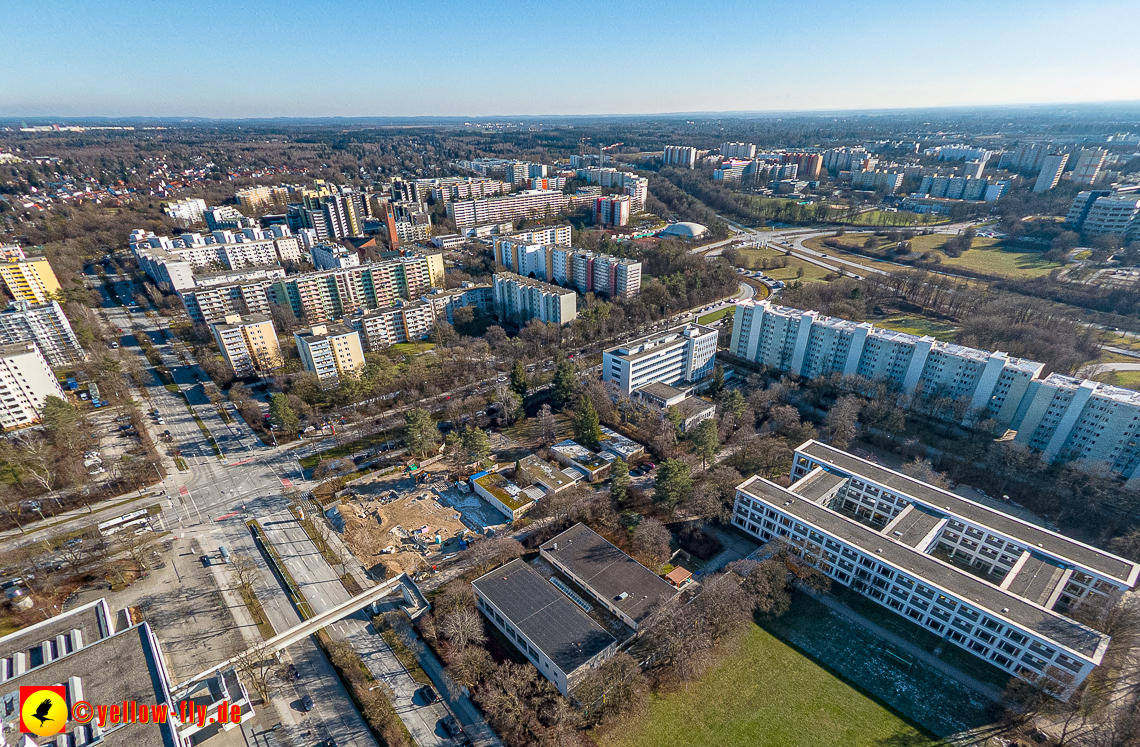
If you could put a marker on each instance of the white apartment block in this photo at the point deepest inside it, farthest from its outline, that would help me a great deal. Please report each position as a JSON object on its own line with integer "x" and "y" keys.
{"x": 331, "y": 351}
{"x": 963, "y": 153}
{"x": 738, "y": 150}
{"x": 679, "y": 155}
{"x": 808, "y": 344}
{"x": 462, "y": 188}
{"x": 26, "y": 380}
{"x": 46, "y": 326}
{"x": 1106, "y": 213}
{"x": 214, "y": 303}
{"x": 444, "y": 303}
{"x": 249, "y": 344}
{"x": 406, "y": 322}
{"x": 614, "y": 276}
{"x": 886, "y": 180}
{"x": 1089, "y": 163}
{"x": 637, "y": 187}
{"x": 1073, "y": 419}
{"x": 683, "y": 355}
{"x": 333, "y": 257}
{"x": 994, "y": 585}
{"x": 531, "y": 203}
{"x": 188, "y": 212}
{"x": 613, "y": 210}
{"x": 1051, "y": 169}
{"x": 173, "y": 261}
{"x": 519, "y": 299}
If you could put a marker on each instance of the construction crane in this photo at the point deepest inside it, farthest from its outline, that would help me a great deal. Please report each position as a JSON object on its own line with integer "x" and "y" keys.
{"x": 602, "y": 152}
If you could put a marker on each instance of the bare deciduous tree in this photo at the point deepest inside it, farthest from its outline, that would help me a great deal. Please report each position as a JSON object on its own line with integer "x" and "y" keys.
{"x": 463, "y": 627}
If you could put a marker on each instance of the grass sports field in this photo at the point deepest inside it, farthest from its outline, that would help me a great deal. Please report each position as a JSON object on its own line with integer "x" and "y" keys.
{"x": 765, "y": 694}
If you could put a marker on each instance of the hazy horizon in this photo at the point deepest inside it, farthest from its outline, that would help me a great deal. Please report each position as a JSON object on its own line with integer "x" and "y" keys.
{"x": 478, "y": 59}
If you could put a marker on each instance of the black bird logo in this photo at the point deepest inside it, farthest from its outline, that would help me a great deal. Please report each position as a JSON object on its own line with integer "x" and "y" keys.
{"x": 42, "y": 711}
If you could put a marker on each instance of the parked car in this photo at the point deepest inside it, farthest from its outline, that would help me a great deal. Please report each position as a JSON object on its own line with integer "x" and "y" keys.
{"x": 429, "y": 694}
{"x": 451, "y": 726}
{"x": 307, "y": 703}
{"x": 205, "y": 560}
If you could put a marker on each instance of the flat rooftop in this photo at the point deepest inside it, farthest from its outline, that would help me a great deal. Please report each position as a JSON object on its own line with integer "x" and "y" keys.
{"x": 649, "y": 344}
{"x": 122, "y": 667}
{"x": 92, "y": 620}
{"x": 993, "y": 600}
{"x": 509, "y": 494}
{"x": 546, "y": 616}
{"x": 580, "y": 454}
{"x": 661, "y": 390}
{"x": 609, "y": 572}
{"x": 1076, "y": 553}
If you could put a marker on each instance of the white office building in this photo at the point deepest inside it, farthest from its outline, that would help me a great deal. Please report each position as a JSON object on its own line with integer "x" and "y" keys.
{"x": 683, "y": 355}
{"x": 992, "y": 584}
{"x": 26, "y": 380}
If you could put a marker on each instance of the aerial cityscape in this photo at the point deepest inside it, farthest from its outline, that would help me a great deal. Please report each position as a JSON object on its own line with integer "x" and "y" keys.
{"x": 747, "y": 399}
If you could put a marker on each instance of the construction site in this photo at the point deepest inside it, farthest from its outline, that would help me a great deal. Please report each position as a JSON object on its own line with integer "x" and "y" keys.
{"x": 398, "y": 524}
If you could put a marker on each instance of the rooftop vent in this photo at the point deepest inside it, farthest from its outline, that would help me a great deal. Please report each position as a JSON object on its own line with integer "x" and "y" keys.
{"x": 879, "y": 550}
{"x": 1005, "y": 609}
{"x": 621, "y": 597}
{"x": 897, "y": 533}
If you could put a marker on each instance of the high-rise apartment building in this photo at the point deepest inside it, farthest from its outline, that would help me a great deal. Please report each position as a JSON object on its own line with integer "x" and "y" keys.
{"x": 187, "y": 213}
{"x": 808, "y": 344}
{"x": 333, "y": 257}
{"x": 963, "y": 153}
{"x": 405, "y": 322}
{"x": 683, "y": 355}
{"x": 809, "y": 164}
{"x": 44, "y": 325}
{"x": 331, "y": 351}
{"x": 31, "y": 280}
{"x": 738, "y": 150}
{"x": 531, "y": 203}
{"x": 995, "y": 586}
{"x": 1052, "y": 166}
{"x": 248, "y": 343}
{"x": 1089, "y": 163}
{"x": 26, "y": 380}
{"x": 612, "y": 210}
{"x": 331, "y": 294}
{"x": 680, "y": 155}
{"x": 210, "y": 304}
{"x": 519, "y": 299}
{"x": 445, "y": 302}
{"x": 257, "y": 198}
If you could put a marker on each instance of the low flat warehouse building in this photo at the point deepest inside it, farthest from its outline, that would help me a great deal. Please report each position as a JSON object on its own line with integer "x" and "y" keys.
{"x": 556, "y": 636}
{"x": 992, "y": 584}
{"x": 625, "y": 587}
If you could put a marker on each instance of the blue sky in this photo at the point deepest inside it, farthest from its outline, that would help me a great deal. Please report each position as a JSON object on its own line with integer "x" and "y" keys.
{"x": 482, "y": 58}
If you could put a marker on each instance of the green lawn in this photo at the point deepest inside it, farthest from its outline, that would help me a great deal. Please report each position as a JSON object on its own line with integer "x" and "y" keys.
{"x": 1126, "y": 379}
{"x": 917, "y": 325}
{"x": 787, "y": 274}
{"x": 989, "y": 256}
{"x": 710, "y": 318}
{"x": 765, "y": 694}
{"x": 410, "y": 348}
{"x": 881, "y": 218}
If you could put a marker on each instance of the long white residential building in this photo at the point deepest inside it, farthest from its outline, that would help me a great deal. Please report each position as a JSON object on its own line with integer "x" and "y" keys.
{"x": 809, "y": 344}
{"x": 46, "y": 326}
{"x": 683, "y": 355}
{"x": 172, "y": 262}
{"x": 445, "y": 302}
{"x": 519, "y": 299}
{"x": 530, "y": 203}
{"x": 1064, "y": 418}
{"x": 26, "y": 380}
{"x": 992, "y": 584}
